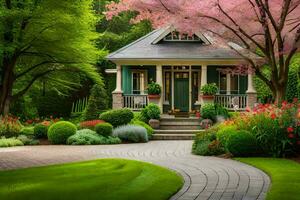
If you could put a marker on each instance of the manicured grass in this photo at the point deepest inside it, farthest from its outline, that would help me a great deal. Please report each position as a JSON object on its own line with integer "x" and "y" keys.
{"x": 105, "y": 179}
{"x": 285, "y": 176}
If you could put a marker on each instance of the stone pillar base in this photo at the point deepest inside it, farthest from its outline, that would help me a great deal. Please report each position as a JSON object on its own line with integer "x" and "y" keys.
{"x": 251, "y": 99}
{"x": 117, "y": 98}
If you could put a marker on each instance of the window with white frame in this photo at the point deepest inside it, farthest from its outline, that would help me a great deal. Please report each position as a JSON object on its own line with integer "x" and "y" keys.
{"x": 234, "y": 83}
{"x": 176, "y": 36}
{"x": 139, "y": 81}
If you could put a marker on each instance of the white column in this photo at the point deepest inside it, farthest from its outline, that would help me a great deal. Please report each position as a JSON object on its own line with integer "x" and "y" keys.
{"x": 159, "y": 80}
{"x": 203, "y": 75}
{"x": 251, "y": 88}
{"x": 228, "y": 83}
{"x": 119, "y": 79}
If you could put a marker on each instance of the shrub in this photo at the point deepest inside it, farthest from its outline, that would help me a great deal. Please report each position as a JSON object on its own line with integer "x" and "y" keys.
{"x": 9, "y": 126}
{"x": 224, "y": 133}
{"x": 98, "y": 102}
{"x": 117, "y": 117}
{"x": 152, "y": 111}
{"x": 10, "y": 142}
{"x": 243, "y": 143}
{"x": 221, "y": 111}
{"x": 131, "y": 133}
{"x": 104, "y": 129}
{"x": 208, "y": 111}
{"x": 27, "y": 141}
{"x": 40, "y": 131}
{"x": 143, "y": 124}
{"x": 209, "y": 89}
{"x": 154, "y": 88}
{"x": 90, "y": 124}
{"x": 59, "y": 132}
{"x": 89, "y": 137}
{"x": 29, "y": 131}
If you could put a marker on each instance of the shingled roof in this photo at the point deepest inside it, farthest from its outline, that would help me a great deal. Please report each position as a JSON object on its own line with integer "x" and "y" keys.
{"x": 150, "y": 47}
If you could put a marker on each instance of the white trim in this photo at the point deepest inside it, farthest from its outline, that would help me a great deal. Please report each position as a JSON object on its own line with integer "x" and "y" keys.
{"x": 111, "y": 71}
{"x": 118, "y": 80}
{"x": 228, "y": 83}
{"x": 190, "y": 89}
{"x": 143, "y": 80}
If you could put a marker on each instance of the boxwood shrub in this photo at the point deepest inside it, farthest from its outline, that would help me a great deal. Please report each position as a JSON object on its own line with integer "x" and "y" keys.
{"x": 131, "y": 133}
{"x": 40, "y": 131}
{"x": 59, "y": 132}
{"x": 117, "y": 117}
{"x": 104, "y": 129}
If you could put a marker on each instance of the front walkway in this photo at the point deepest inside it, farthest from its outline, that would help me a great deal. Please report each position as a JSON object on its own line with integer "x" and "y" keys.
{"x": 205, "y": 177}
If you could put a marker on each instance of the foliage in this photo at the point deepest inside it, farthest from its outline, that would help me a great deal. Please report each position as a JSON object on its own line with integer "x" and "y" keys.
{"x": 10, "y": 142}
{"x": 27, "y": 130}
{"x": 209, "y": 89}
{"x": 98, "y": 102}
{"x": 40, "y": 131}
{"x": 27, "y": 141}
{"x": 284, "y": 173}
{"x": 91, "y": 180}
{"x": 242, "y": 144}
{"x": 224, "y": 133}
{"x": 292, "y": 90}
{"x": 208, "y": 111}
{"x": 145, "y": 125}
{"x": 33, "y": 47}
{"x": 152, "y": 111}
{"x": 24, "y": 108}
{"x": 9, "y": 126}
{"x": 104, "y": 129}
{"x": 90, "y": 124}
{"x": 117, "y": 117}
{"x": 221, "y": 111}
{"x": 131, "y": 133}
{"x": 89, "y": 137}
{"x": 154, "y": 88}
{"x": 59, "y": 132}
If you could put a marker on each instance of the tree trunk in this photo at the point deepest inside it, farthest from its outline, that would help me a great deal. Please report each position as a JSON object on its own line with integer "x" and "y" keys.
{"x": 279, "y": 93}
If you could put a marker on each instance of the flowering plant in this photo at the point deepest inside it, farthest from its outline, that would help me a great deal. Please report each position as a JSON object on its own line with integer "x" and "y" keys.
{"x": 9, "y": 126}
{"x": 90, "y": 124}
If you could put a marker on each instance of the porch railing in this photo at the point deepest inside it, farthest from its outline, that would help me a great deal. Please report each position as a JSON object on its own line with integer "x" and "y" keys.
{"x": 135, "y": 102}
{"x": 232, "y": 102}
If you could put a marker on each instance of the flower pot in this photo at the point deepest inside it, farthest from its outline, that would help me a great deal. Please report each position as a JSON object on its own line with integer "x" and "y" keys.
{"x": 208, "y": 98}
{"x": 153, "y": 96}
{"x": 154, "y": 123}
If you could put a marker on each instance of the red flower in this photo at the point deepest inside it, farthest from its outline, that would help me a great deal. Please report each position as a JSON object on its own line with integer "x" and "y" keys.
{"x": 291, "y": 135}
{"x": 273, "y": 115}
{"x": 248, "y": 109}
{"x": 198, "y": 114}
{"x": 290, "y": 129}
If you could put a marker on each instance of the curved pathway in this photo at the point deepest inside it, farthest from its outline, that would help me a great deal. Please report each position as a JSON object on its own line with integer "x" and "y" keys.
{"x": 205, "y": 177}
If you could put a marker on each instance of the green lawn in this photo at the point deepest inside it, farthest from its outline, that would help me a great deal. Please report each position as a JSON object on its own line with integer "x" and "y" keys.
{"x": 285, "y": 176}
{"x": 103, "y": 179}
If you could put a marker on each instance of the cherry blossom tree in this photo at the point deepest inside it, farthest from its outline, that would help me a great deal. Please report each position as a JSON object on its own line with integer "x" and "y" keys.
{"x": 268, "y": 28}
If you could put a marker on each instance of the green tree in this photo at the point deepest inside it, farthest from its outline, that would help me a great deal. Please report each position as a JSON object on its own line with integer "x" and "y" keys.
{"x": 44, "y": 39}
{"x": 98, "y": 102}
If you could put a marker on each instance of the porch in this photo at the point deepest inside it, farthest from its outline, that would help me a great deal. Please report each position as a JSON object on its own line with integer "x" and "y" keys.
{"x": 180, "y": 87}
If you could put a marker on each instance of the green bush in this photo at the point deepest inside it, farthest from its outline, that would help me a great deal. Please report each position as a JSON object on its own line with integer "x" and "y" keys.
{"x": 292, "y": 90}
{"x": 89, "y": 137}
{"x": 104, "y": 129}
{"x": 209, "y": 89}
{"x": 27, "y": 141}
{"x": 117, "y": 117}
{"x": 59, "y": 132}
{"x": 143, "y": 124}
{"x": 208, "y": 111}
{"x": 9, "y": 126}
{"x": 221, "y": 111}
{"x": 10, "y": 142}
{"x": 40, "y": 131}
{"x": 242, "y": 143}
{"x": 98, "y": 102}
{"x": 224, "y": 133}
{"x": 152, "y": 111}
{"x": 27, "y": 130}
{"x": 131, "y": 133}
{"x": 154, "y": 88}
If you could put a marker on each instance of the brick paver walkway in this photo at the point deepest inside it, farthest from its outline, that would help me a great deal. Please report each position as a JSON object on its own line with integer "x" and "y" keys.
{"x": 205, "y": 177}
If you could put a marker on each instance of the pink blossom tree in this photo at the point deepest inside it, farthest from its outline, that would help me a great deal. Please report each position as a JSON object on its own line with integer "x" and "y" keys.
{"x": 268, "y": 28}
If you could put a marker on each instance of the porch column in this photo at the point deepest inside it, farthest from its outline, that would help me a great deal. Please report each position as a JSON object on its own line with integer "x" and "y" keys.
{"x": 117, "y": 94}
{"x": 159, "y": 80}
{"x": 203, "y": 80}
{"x": 251, "y": 92}
{"x": 228, "y": 84}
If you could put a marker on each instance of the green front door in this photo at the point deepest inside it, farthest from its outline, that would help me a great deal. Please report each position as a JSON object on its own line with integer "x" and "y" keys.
{"x": 181, "y": 91}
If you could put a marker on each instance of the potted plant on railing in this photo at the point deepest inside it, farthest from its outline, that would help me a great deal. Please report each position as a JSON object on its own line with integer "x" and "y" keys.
{"x": 208, "y": 92}
{"x": 154, "y": 90}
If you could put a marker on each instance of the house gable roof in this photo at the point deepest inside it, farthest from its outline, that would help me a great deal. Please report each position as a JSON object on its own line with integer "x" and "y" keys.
{"x": 151, "y": 47}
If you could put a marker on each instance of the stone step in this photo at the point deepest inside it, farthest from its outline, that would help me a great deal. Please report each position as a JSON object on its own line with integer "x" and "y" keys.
{"x": 176, "y": 131}
{"x": 179, "y": 127}
{"x": 179, "y": 123}
{"x": 160, "y": 136}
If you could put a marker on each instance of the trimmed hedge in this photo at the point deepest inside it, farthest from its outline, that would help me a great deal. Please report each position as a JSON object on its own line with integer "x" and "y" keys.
{"x": 104, "y": 129}
{"x": 152, "y": 111}
{"x": 149, "y": 129}
{"x": 40, "y": 131}
{"x": 242, "y": 144}
{"x": 131, "y": 133}
{"x": 59, "y": 132}
{"x": 10, "y": 142}
{"x": 117, "y": 117}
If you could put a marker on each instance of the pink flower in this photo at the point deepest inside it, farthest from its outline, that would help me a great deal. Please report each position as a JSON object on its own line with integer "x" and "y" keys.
{"x": 291, "y": 135}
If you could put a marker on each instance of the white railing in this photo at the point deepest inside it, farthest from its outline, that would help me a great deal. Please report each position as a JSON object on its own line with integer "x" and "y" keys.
{"x": 236, "y": 102}
{"x": 135, "y": 102}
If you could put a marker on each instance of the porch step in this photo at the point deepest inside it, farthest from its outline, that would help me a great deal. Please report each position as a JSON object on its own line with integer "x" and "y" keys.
{"x": 174, "y": 134}
{"x": 180, "y": 124}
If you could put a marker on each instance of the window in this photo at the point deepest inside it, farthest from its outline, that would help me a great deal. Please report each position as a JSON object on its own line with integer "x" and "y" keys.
{"x": 176, "y": 36}
{"x": 222, "y": 83}
{"x": 234, "y": 84}
{"x": 195, "y": 86}
{"x": 139, "y": 82}
{"x": 167, "y": 87}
